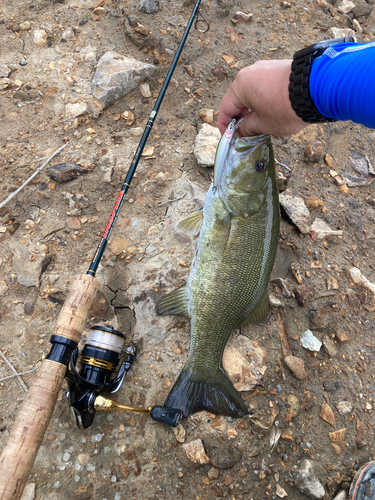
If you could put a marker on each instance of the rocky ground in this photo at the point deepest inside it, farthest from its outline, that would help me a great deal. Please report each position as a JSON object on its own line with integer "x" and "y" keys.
{"x": 311, "y": 393}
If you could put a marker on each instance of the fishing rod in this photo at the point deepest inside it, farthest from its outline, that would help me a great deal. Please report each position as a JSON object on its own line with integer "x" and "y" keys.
{"x": 21, "y": 448}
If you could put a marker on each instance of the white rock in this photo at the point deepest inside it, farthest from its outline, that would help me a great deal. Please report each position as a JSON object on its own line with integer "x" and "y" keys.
{"x": 341, "y": 495}
{"x": 25, "y": 26}
{"x": 29, "y": 492}
{"x": 136, "y": 131}
{"x": 195, "y": 452}
{"x": 344, "y": 407}
{"x": 340, "y": 32}
{"x": 323, "y": 230}
{"x": 309, "y": 341}
{"x": 76, "y": 109}
{"x": 40, "y": 37}
{"x": 360, "y": 280}
{"x": 357, "y": 26}
{"x": 144, "y": 89}
{"x": 296, "y": 209}
{"x": 345, "y": 6}
{"x": 107, "y": 173}
{"x": 205, "y": 146}
{"x": 3, "y": 287}
{"x": 308, "y": 479}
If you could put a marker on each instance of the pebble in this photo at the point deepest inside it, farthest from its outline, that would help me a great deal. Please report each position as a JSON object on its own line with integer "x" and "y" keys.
{"x": 76, "y": 109}
{"x": 345, "y": 6}
{"x": 25, "y": 26}
{"x": 213, "y": 473}
{"x": 4, "y": 70}
{"x": 296, "y": 366}
{"x": 40, "y": 37}
{"x": 149, "y": 6}
{"x": 195, "y": 452}
{"x": 280, "y": 492}
{"x": 341, "y": 495}
{"x": 294, "y": 405}
{"x": 304, "y": 294}
{"x": 341, "y": 32}
{"x": 29, "y": 271}
{"x": 66, "y": 457}
{"x": 205, "y": 145}
{"x": 337, "y": 436}
{"x": 180, "y": 433}
{"x": 242, "y": 17}
{"x": 327, "y": 414}
{"x": 144, "y": 90}
{"x": 309, "y": 478}
{"x": 313, "y": 152}
{"x": 22, "y": 63}
{"x": 3, "y": 287}
{"x": 329, "y": 346}
{"x": 73, "y": 223}
{"x": 65, "y": 172}
{"x": 29, "y": 492}
{"x": 296, "y": 209}
{"x": 310, "y": 342}
{"x": 129, "y": 118}
{"x": 222, "y": 455}
{"x": 136, "y": 132}
{"x": 344, "y": 407}
{"x": 360, "y": 280}
{"x": 207, "y": 115}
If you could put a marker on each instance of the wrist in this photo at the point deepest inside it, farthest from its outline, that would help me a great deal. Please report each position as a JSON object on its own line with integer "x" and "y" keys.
{"x": 299, "y": 79}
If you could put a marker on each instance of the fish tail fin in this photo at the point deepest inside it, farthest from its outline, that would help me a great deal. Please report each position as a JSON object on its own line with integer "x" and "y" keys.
{"x": 214, "y": 393}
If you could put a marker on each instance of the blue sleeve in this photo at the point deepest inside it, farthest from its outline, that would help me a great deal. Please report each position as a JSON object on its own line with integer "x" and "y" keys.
{"x": 342, "y": 83}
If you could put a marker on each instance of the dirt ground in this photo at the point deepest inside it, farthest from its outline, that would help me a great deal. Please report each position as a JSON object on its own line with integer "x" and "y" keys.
{"x": 58, "y": 225}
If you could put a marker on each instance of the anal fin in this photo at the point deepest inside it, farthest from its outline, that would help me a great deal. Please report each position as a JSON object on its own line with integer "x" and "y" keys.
{"x": 173, "y": 303}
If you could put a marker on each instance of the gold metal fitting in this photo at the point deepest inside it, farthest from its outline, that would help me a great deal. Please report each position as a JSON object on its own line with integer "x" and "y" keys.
{"x": 106, "y": 404}
{"x": 99, "y": 363}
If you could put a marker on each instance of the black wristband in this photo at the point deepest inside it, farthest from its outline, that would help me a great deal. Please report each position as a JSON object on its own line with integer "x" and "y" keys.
{"x": 299, "y": 93}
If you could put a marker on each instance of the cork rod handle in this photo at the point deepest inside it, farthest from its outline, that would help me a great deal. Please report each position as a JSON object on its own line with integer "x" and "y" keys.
{"x": 21, "y": 449}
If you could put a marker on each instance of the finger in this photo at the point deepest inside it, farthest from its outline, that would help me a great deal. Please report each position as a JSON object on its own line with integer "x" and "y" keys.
{"x": 251, "y": 125}
{"x": 230, "y": 107}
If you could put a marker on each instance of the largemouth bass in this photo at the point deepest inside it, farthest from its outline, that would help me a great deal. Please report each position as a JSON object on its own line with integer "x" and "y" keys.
{"x": 228, "y": 280}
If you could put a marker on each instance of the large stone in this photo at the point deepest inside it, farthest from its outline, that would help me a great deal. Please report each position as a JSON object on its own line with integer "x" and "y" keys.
{"x": 296, "y": 209}
{"x": 195, "y": 452}
{"x": 244, "y": 374}
{"x": 29, "y": 266}
{"x": 309, "y": 478}
{"x": 205, "y": 146}
{"x": 222, "y": 455}
{"x": 363, "y": 10}
{"x": 116, "y": 76}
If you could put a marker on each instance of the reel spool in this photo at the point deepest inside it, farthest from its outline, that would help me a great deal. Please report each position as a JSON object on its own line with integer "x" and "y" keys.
{"x": 100, "y": 357}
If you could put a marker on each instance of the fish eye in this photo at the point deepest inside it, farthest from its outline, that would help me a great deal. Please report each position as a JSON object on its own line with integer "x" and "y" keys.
{"x": 259, "y": 166}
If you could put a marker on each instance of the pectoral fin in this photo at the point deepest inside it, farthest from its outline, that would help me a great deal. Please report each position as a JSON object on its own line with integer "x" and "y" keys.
{"x": 192, "y": 224}
{"x": 173, "y": 303}
{"x": 260, "y": 311}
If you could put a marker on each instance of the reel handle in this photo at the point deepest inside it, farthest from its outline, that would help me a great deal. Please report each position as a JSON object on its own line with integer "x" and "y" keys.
{"x": 21, "y": 449}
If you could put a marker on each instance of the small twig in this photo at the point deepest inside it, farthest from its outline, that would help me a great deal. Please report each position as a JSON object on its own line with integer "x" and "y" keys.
{"x": 32, "y": 177}
{"x": 20, "y": 374}
{"x": 14, "y": 371}
{"x": 169, "y": 201}
{"x": 283, "y": 165}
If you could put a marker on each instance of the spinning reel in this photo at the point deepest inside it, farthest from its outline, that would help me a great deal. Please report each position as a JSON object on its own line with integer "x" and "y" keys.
{"x": 100, "y": 357}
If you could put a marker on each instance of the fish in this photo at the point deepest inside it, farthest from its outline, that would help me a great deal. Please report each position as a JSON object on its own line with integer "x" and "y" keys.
{"x": 227, "y": 286}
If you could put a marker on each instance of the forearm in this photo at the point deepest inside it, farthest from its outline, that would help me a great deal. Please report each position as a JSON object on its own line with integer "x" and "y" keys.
{"x": 342, "y": 83}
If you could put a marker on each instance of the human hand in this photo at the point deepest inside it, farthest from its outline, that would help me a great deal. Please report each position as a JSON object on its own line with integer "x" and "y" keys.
{"x": 263, "y": 89}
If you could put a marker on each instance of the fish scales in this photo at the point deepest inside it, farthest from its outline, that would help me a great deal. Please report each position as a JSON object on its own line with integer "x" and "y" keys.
{"x": 228, "y": 281}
